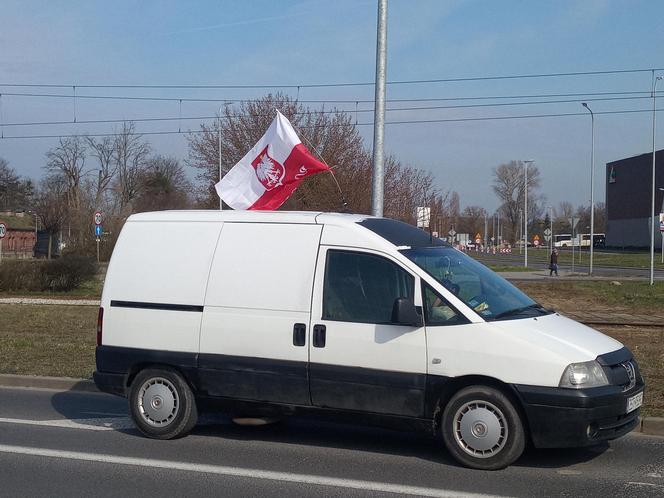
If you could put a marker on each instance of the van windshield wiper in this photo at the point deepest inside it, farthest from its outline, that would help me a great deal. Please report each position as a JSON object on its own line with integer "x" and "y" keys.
{"x": 518, "y": 311}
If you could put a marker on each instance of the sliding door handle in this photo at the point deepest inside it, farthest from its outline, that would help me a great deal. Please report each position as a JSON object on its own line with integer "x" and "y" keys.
{"x": 299, "y": 334}
{"x": 319, "y": 336}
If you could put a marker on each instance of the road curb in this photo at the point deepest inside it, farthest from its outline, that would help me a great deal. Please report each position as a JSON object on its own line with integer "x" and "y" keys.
{"x": 58, "y": 383}
{"x": 651, "y": 426}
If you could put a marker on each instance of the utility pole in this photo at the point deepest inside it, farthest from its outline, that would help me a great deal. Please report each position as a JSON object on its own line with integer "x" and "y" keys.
{"x": 378, "y": 184}
{"x": 525, "y": 212}
{"x": 592, "y": 187}
{"x": 655, "y": 80}
{"x": 221, "y": 203}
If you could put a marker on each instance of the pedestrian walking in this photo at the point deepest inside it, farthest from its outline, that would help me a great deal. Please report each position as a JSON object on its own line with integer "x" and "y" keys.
{"x": 553, "y": 263}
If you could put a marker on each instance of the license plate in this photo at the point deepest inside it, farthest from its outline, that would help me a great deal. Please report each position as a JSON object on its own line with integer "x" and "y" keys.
{"x": 634, "y": 402}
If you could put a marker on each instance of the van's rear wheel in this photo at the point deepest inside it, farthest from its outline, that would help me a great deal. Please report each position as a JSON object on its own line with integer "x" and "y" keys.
{"x": 482, "y": 429}
{"x": 162, "y": 404}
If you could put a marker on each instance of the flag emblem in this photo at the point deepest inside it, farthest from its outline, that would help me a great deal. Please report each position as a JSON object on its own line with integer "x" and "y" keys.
{"x": 269, "y": 172}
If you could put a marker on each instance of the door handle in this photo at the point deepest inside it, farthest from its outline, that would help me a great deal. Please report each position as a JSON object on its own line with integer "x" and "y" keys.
{"x": 319, "y": 336}
{"x": 299, "y": 334}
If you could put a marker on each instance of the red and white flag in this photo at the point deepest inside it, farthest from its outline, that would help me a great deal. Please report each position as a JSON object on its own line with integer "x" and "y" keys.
{"x": 271, "y": 171}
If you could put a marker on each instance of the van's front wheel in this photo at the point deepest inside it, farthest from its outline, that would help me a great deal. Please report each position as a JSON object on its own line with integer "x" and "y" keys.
{"x": 162, "y": 404}
{"x": 482, "y": 429}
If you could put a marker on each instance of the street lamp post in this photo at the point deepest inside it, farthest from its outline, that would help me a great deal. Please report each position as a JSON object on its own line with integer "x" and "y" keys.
{"x": 592, "y": 186}
{"x": 551, "y": 228}
{"x": 655, "y": 80}
{"x": 525, "y": 211}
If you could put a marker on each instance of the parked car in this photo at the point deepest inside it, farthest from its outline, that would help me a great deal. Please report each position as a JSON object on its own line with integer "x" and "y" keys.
{"x": 369, "y": 320}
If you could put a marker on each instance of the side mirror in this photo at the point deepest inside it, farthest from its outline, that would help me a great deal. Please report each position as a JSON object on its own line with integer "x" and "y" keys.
{"x": 404, "y": 313}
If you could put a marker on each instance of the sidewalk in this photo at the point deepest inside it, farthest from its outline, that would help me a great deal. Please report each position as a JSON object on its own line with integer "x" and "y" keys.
{"x": 564, "y": 275}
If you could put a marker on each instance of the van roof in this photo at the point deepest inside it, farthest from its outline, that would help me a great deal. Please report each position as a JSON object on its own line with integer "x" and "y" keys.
{"x": 250, "y": 216}
{"x": 395, "y": 232}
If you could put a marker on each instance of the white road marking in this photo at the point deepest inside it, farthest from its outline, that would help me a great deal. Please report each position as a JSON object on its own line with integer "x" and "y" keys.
{"x": 89, "y": 424}
{"x": 287, "y": 477}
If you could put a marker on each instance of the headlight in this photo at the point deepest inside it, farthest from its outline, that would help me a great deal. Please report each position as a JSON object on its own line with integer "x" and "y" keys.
{"x": 582, "y": 375}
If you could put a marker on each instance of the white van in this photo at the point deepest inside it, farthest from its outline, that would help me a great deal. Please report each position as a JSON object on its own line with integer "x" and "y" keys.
{"x": 352, "y": 317}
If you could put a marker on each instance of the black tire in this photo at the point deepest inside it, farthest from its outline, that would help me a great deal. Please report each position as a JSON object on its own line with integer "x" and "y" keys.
{"x": 162, "y": 404}
{"x": 482, "y": 428}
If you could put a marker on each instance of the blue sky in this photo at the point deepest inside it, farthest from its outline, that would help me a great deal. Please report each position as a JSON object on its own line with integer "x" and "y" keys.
{"x": 300, "y": 42}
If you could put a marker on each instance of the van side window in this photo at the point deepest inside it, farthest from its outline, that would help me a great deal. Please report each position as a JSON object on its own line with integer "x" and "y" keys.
{"x": 437, "y": 311}
{"x": 361, "y": 287}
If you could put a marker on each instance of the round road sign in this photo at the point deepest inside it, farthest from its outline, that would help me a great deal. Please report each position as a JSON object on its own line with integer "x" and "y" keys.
{"x": 3, "y": 230}
{"x": 97, "y": 218}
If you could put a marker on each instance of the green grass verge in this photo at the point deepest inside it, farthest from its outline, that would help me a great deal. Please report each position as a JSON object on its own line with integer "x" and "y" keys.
{"x": 629, "y": 296}
{"x": 88, "y": 290}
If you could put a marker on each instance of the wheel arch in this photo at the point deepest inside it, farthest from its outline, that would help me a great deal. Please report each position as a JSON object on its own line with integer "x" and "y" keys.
{"x": 136, "y": 368}
{"x": 455, "y": 384}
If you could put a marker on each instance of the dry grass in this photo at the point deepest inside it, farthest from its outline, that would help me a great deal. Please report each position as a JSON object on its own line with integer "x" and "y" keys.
{"x": 48, "y": 340}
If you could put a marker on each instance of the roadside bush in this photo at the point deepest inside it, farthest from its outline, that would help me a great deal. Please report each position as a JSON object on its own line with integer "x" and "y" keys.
{"x": 59, "y": 275}
{"x": 21, "y": 275}
{"x": 67, "y": 273}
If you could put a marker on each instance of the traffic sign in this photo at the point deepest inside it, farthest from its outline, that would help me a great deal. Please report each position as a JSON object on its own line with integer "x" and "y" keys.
{"x": 423, "y": 217}
{"x": 451, "y": 233}
{"x": 661, "y": 222}
{"x": 98, "y": 218}
{"x": 547, "y": 233}
{"x": 573, "y": 222}
{"x": 3, "y": 230}
{"x": 97, "y": 230}
{"x": 547, "y": 237}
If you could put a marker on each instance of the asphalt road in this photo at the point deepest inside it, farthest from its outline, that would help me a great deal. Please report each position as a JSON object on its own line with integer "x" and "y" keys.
{"x": 80, "y": 444}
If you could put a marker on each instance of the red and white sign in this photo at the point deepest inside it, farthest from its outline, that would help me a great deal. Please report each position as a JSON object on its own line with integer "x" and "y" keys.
{"x": 98, "y": 218}
{"x": 3, "y": 230}
{"x": 270, "y": 172}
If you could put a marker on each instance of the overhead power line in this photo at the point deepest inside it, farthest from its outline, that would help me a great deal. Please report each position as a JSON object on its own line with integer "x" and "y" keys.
{"x": 334, "y": 111}
{"x": 340, "y": 84}
{"x": 328, "y": 101}
{"x": 402, "y": 122}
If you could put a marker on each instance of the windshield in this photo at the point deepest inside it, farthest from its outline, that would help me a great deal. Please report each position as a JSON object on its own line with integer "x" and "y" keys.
{"x": 489, "y": 295}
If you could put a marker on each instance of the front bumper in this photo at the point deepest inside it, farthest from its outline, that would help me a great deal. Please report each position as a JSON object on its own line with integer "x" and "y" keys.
{"x": 560, "y": 418}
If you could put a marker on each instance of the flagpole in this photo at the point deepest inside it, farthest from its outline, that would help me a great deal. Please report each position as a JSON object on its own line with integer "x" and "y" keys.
{"x": 378, "y": 184}
{"x": 344, "y": 204}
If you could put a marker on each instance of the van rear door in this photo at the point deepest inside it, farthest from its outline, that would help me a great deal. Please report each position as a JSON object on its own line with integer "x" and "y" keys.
{"x": 257, "y": 307}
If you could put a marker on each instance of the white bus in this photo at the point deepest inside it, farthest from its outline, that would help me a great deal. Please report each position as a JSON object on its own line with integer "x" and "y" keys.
{"x": 580, "y": 240}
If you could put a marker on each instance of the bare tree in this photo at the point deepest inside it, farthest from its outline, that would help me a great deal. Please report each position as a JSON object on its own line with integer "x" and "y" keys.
{"x": 471, "y": 220}
{"x": 103, "y": 150}
{"x": 51, "y": 205}
{"x": 67, "y": 160}
{"x": 130, "y": 155}
{"x": 508, "y": 184}
{"x": 331, "y": 136}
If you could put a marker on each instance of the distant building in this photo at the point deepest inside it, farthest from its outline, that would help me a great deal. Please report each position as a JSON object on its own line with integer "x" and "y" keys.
{"x": 629, "y": 198}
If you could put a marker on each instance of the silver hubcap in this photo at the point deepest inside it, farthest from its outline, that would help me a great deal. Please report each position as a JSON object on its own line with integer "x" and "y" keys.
{"x": 158, "y": 401}
{"x": 480, "y": 429}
